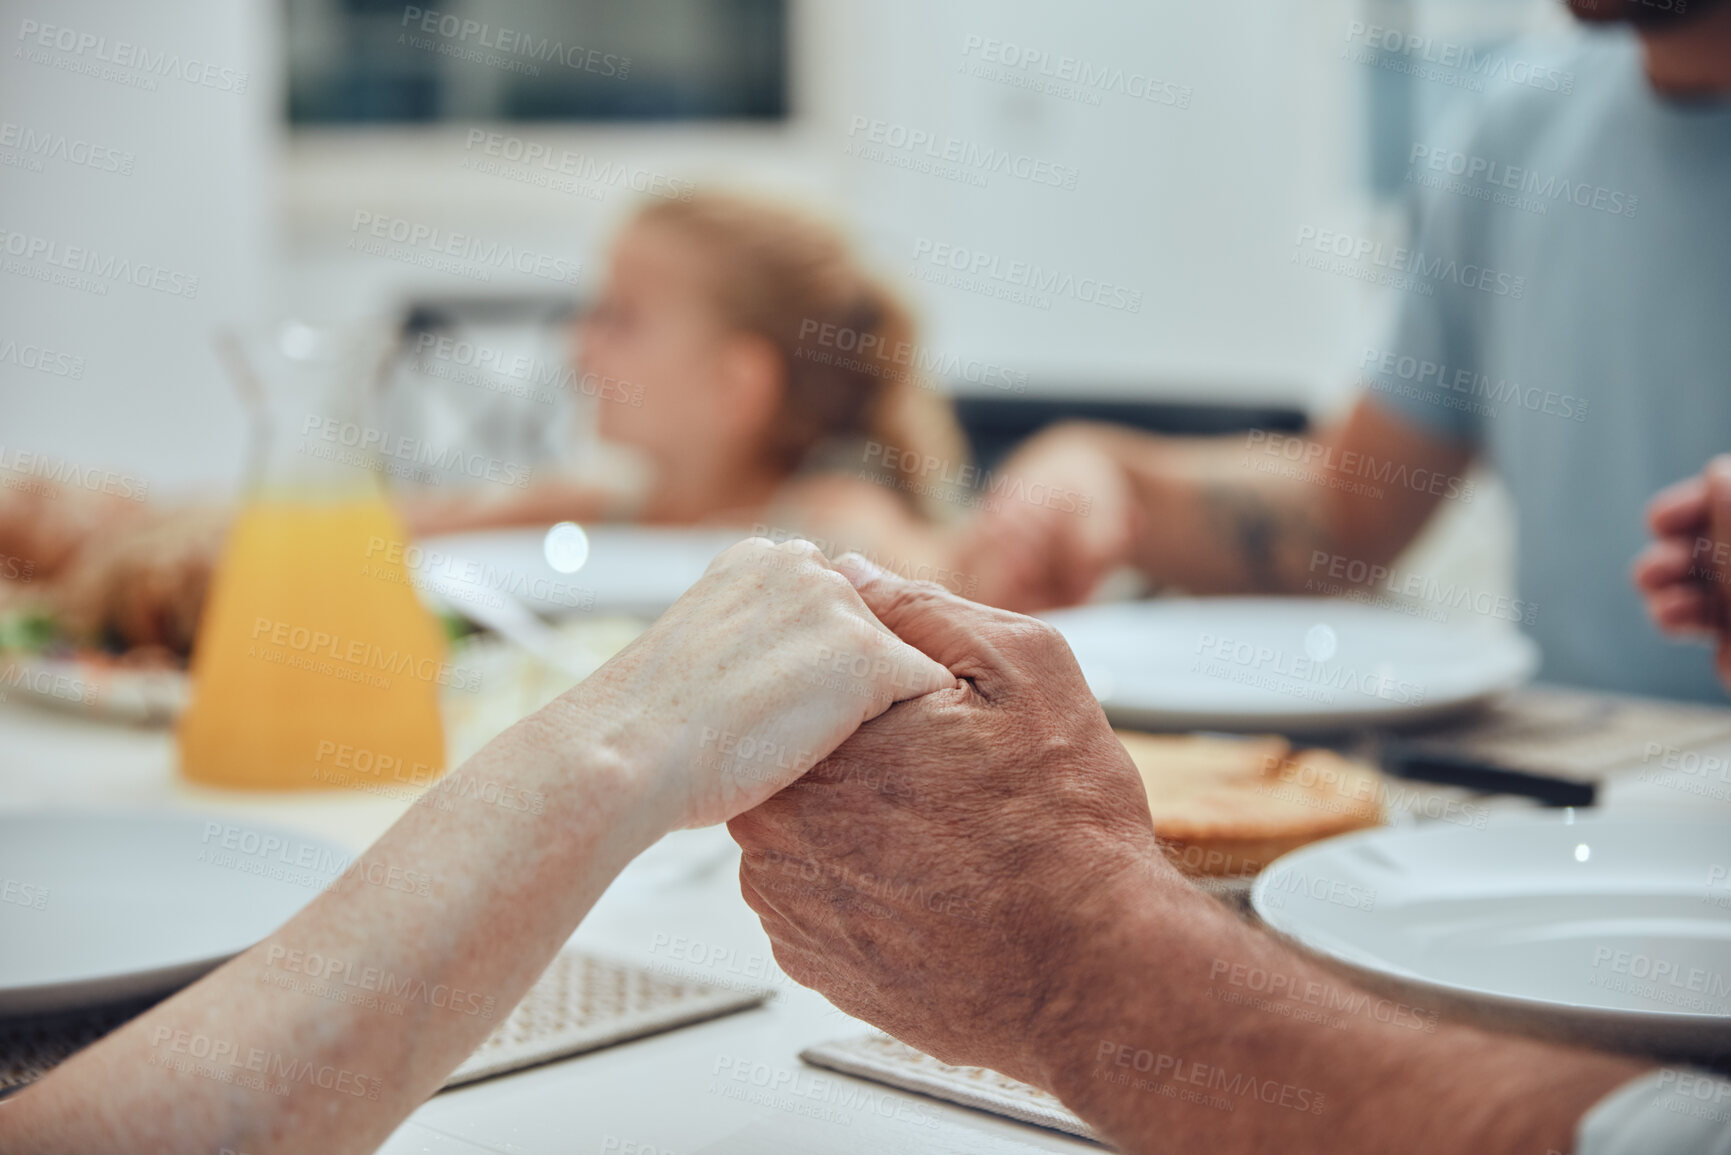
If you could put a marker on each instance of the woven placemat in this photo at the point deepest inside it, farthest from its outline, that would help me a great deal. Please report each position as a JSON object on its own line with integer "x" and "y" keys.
{"x": 580, "y": 1003}
{"x": 583, "y": 1003}
{"x": 884, "y": 1060}
{"x": 30, "y": 1048}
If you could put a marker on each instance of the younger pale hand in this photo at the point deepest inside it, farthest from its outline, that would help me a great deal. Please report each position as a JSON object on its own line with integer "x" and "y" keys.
{"x": 761, "y": 669}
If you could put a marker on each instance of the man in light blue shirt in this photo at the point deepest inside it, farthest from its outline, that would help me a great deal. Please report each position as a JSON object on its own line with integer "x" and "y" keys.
{"x": 1609, "y": 377}
{"x": 1565, "y": 314}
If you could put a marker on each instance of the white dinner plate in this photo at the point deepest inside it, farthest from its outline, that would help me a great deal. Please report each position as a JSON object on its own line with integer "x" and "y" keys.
{"x": 1295, "y": 665}
{"x": 101, "y": 907}
{"x": 637, "y": 570}
{"x": 1609, "y": 931}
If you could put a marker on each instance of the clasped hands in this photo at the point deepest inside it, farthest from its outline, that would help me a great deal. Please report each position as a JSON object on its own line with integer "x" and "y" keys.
{"x": 940, "y": 833}
{"x": 930, "y": 802}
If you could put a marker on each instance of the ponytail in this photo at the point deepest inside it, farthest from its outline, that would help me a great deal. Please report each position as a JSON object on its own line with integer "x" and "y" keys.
{"x": 909, "y": 415}
{"x": 848, "y": 344}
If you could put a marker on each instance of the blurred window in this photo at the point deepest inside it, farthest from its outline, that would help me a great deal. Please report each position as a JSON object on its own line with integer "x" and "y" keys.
{"x": 382, "y": 61}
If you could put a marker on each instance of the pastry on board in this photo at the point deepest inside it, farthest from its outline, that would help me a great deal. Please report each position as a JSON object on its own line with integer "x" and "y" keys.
{"x": 1226, "y": 807}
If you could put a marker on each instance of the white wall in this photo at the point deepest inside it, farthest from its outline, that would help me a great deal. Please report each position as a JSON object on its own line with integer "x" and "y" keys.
{"x": 198, "y": 200}
{"x": 1196, "y": 208}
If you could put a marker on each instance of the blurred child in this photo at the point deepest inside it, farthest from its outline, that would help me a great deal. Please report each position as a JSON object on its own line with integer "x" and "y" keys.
{"x": 777, "y": 379}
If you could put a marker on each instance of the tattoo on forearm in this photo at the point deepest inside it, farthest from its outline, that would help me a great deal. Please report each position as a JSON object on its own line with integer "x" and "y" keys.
{"x": 1263, "y": 534}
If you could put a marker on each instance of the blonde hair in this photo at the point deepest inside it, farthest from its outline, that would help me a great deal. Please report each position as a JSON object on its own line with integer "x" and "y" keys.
{"x": 847, "y": 342}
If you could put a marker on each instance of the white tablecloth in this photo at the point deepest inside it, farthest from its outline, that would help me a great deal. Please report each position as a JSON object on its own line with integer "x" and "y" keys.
{"x": 677, "y": 908}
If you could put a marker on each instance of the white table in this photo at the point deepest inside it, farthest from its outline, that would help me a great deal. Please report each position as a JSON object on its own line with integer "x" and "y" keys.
{"x": 653, "y": 1096}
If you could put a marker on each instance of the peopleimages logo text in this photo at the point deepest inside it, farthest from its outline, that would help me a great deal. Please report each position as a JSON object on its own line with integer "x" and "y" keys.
{"x": 57, "y": 471}
{"x": 1306, "y": 670}
{"x": 580, "y": 166}
{"x": 989, "y": 267}
{"x": 360, "y": 655}
{"x": 1529, "y": 181}
{"x": 1090, "y": 77}
{"x": 110, "y": 267}
{"x": 1451, "y": 379}
{"x": 366, "y": 439}
{"x": 29, "y": 356}
{"x": 1400, "y": 259}
{"x": 513, "y": 42}
{"x": 1455, "y": 61}
{"x": 464, "y": 247}
{"x": 125, "y": 54}
{"x": 982, "y": 158}
{"x": 45, "y": 145}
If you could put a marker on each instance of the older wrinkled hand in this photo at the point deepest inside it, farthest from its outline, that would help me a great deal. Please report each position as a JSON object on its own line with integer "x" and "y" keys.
{"x": 759, "y": 670}
{"x": 927, "y": 875}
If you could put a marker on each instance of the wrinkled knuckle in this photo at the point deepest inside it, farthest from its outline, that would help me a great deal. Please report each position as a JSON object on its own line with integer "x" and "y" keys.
{"x": 1031, "y": 637}
{"x": 800, "y": 548}
{"x": 751, "y": 552}
{"x": 929, "y": 591}
{"x": 829, "y": 582}
{"x": 1048, "y": 640}
{"x": 1042, "y": 651}
{"x": 912, "y": 598}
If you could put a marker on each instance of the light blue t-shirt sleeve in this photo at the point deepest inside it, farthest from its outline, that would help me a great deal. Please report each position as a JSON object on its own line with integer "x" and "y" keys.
{"x": 1425, "y": 370}
{"x": 1678, "y": 1112}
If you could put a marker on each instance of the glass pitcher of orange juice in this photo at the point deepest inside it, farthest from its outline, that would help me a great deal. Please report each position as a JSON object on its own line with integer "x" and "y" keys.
{"x": 316, "y": 666}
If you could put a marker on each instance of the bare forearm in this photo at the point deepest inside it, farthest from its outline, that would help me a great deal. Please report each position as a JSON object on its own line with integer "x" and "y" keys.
{"x": 324, "y": 1036}
{"x": 1166, "y": 1048}
{"x": 1264, "y": 512}
{"x": 1210, "y": 522}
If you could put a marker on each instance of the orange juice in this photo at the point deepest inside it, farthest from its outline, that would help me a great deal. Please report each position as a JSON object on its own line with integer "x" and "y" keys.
{"x": 316, "y": 665}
